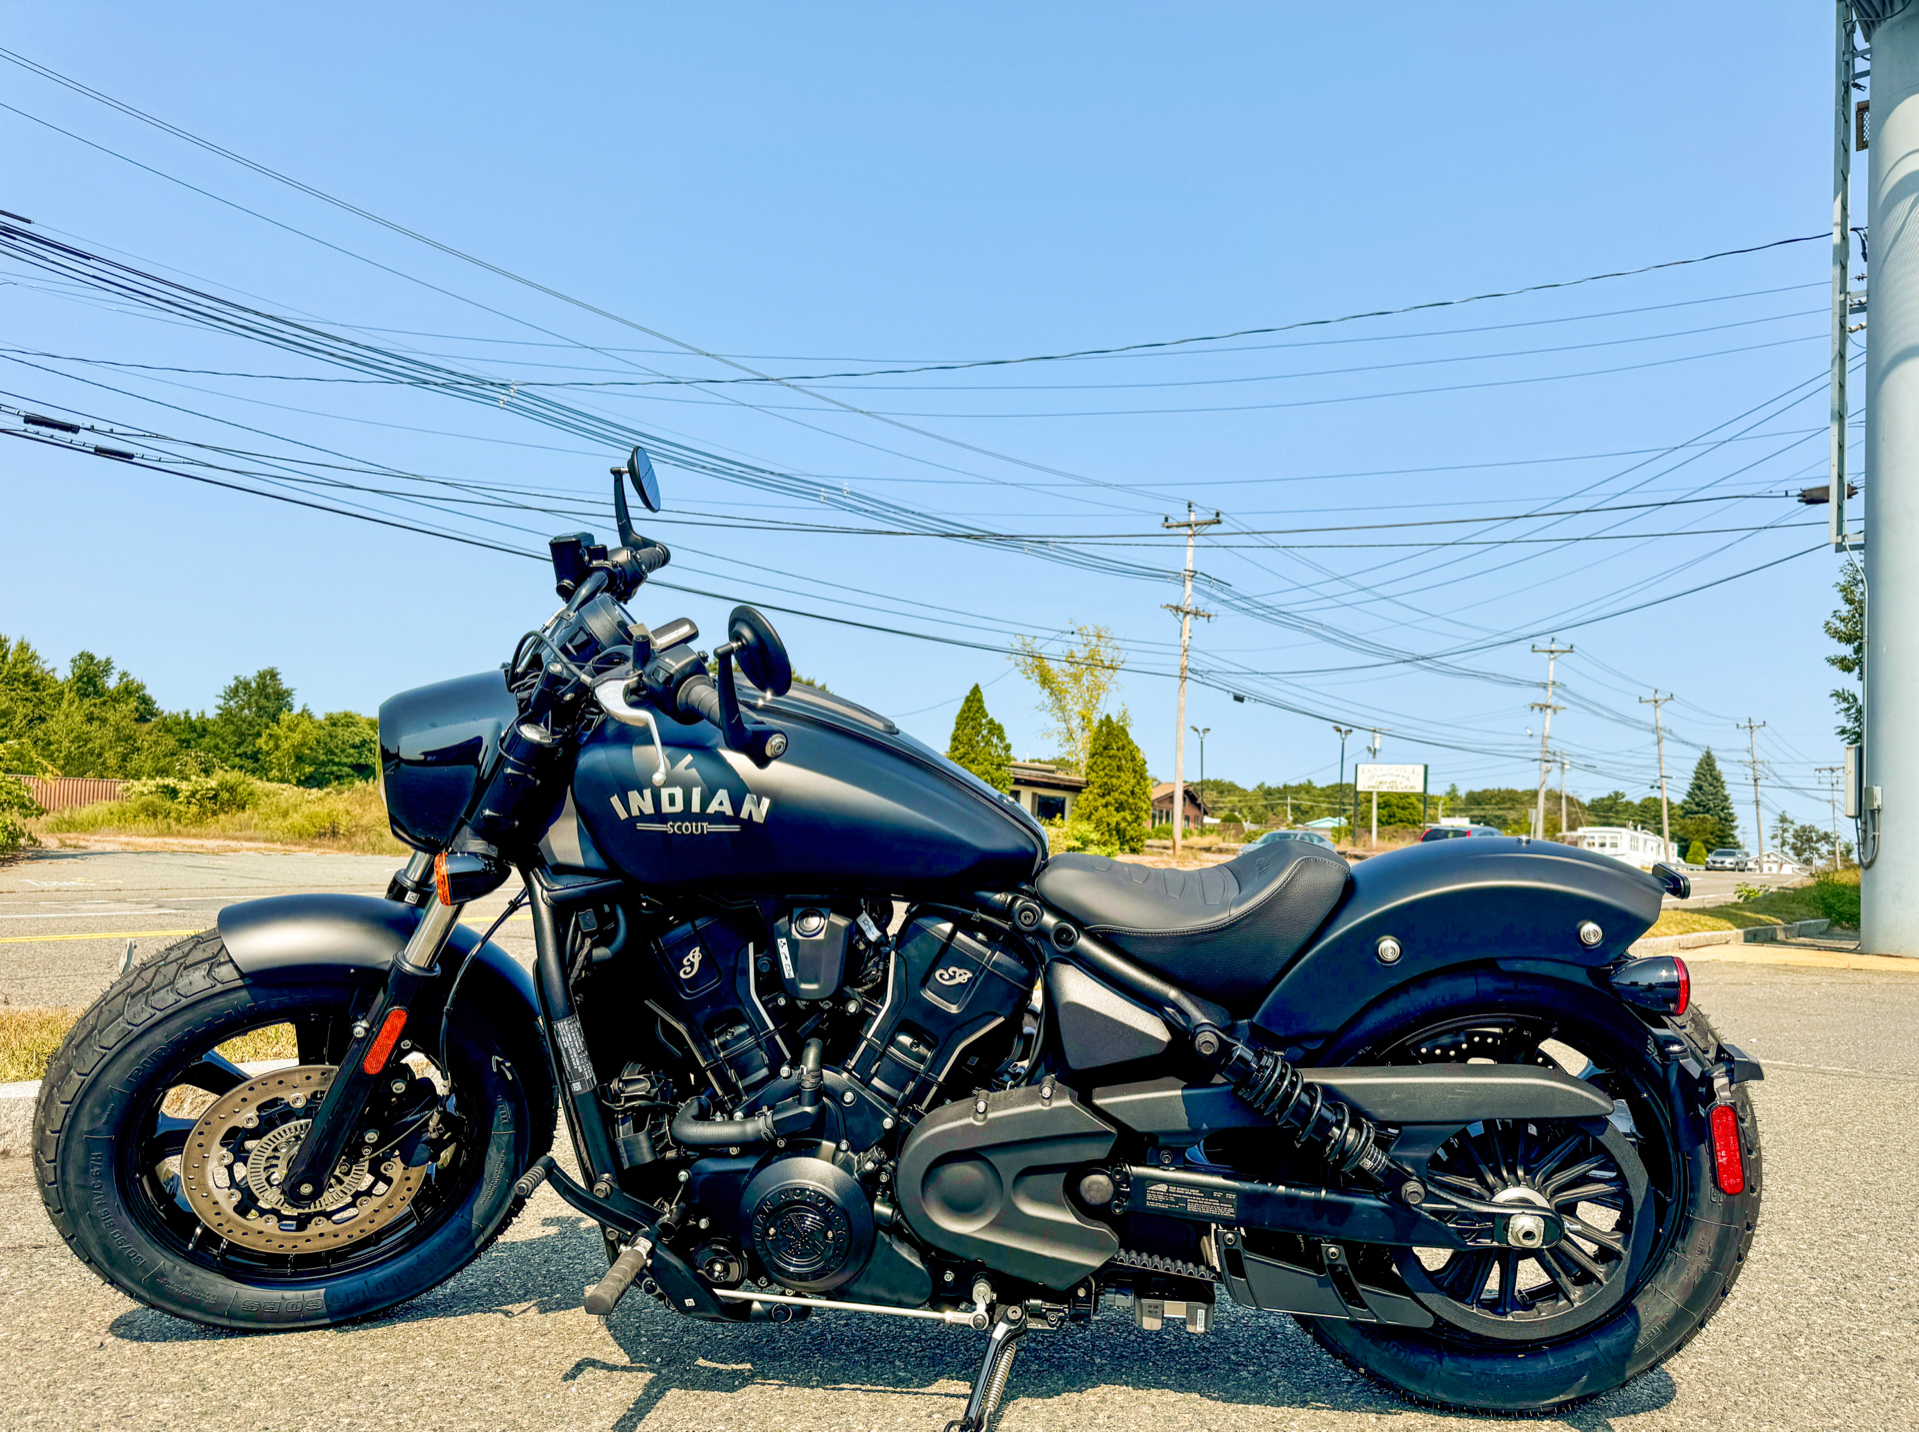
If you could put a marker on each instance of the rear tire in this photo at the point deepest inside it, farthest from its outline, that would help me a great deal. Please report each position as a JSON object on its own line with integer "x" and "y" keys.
{"x": 1700, "y": 1246}
{"x": 132, "y": 1047}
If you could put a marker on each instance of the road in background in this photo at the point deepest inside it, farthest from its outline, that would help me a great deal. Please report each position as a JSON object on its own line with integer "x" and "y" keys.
{"x": 66, "y": 915}
{"x": 1816, "y": 1334}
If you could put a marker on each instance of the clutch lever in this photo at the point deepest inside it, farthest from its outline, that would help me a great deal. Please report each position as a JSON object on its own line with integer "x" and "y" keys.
{"x": 611, "y": 695}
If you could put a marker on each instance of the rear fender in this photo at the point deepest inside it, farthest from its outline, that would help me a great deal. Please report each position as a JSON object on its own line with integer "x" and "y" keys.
{"x": 1513, "y": 902}
{"x": 283, "y": 938}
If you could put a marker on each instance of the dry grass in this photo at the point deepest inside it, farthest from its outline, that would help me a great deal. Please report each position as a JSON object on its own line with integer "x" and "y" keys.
{"x": 29, "y": 1035}
{"x": 342, "y": 818}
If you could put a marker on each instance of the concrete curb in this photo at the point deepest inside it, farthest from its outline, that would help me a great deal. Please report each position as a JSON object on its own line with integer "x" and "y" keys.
{"x": 17, "y": 1101}
{"x": 1668, "y": 944}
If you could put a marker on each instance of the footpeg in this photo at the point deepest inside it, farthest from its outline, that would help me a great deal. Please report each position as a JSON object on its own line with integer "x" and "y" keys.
{"x": 604, "y": 1296}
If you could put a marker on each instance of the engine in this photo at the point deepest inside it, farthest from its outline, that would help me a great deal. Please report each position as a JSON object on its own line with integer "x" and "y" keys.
{"x": 809, "y": 1044}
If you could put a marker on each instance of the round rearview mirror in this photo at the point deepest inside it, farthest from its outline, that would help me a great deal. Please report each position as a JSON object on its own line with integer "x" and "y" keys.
{"x": 639, "y": 469}
{"x": 760, "y": 652}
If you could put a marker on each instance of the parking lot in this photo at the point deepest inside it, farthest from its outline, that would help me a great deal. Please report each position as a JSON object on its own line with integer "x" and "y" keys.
{"x": 1818, "y": 1333}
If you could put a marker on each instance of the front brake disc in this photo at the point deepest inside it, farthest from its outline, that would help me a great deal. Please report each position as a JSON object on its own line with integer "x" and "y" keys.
{"x": 235, "y": 1156}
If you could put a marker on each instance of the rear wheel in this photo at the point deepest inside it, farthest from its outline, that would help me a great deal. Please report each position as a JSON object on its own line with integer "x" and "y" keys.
{"x": 159, "y": 1157}
{"x": 1652, "y": 1245}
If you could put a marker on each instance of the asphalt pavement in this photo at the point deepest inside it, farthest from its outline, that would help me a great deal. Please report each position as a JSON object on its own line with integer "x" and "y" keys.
{"x": 1818, "y": 1333}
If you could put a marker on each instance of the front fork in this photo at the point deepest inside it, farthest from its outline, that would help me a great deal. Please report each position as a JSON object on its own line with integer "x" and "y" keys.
{"x": 377, "y": 1037}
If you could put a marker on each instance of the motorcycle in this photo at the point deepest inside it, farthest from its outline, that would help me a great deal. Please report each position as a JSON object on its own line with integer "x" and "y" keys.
{"x": 831, "y": 1032}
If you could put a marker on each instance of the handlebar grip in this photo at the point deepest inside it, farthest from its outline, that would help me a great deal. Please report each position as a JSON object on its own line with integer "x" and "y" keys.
{"x": 699, "y": 697}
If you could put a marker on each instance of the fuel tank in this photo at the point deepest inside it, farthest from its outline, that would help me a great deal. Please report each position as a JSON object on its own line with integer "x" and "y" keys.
{"x": 853, "y": 805}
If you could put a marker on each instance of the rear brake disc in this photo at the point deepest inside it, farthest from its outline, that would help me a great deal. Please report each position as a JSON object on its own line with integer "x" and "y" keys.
{"x": 234, "y": 1158}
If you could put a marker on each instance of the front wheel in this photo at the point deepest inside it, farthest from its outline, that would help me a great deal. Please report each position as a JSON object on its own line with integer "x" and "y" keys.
{"x": 158, "y": 1155}
{"x": 1653, "y": 1245}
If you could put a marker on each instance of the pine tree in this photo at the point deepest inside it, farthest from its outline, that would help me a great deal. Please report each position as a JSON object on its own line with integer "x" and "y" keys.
{"x": 1117, "y": 804}
{"x": 1706, "y": 798}
{"x": 979, "y": 743}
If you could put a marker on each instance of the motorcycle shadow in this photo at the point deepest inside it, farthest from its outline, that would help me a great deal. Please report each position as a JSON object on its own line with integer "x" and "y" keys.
{"x": 853, "y": 1370}
{"x": 860, "y": 1370}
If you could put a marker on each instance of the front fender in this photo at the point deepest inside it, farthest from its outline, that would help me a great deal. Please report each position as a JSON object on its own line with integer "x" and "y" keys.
{"x": 281, "y": 936}
{"x": 1451, "y": 903}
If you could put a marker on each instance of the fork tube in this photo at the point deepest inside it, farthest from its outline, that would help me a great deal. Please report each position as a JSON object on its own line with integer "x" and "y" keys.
{"x": 572, "y": 1066}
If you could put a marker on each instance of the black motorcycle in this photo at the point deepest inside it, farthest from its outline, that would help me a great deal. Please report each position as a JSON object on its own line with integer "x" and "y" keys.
{"x": 831, "y": 1032}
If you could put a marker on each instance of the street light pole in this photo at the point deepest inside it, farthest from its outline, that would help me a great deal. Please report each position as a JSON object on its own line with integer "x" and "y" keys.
{"x": 1201, "y": 732}
{"x": 1373, "y": 840}
{"x": 1344, "y": 732}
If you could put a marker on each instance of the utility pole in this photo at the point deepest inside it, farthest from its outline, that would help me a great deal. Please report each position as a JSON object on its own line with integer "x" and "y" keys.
{"x": 1373, "y": 840}
{"x": 1562, "y": 793}
{"x": 1889, "y": 810}
{"x": 1832, "y": 774}
{"x": 1842, "y": 296}
{"x": 1752, "y": 729}
{"x": 1202, "y": 731}
{"x": 1186, "y": 613}
{"x": 1552, "y": 652}
{"x": 1655, "y": 701}
{"x": 1344, "y": 732}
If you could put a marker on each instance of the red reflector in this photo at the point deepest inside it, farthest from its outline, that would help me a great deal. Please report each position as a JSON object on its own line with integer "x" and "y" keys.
{"x": 1728, "y": 1165}
{"x": 389, "y": 1036}
{"x": 439, "y": 879}
{"x": 1685, "y": 986}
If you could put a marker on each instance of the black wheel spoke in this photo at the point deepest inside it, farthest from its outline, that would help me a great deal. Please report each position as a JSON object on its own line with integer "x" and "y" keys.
{"x": 314, "y": 1035}
{"x": 1605, "y": 1238}
{"x": 167, "y": 1138}
{"x": 1606, "y": 1192}
{"x": 1577, "y": 1171}
{"x": 1543, "y": 1170}
{"x": 1509, "y": 1300}
{"x": 1554, "y": 1271}
{"x": 1572, "y": 1251}
{"x": 214, "y": 1073}
{"x": 1466, "y": 1277}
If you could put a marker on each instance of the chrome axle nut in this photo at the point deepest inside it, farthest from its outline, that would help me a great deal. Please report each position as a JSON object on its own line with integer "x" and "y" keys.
{"x": 1526, "y": 1231}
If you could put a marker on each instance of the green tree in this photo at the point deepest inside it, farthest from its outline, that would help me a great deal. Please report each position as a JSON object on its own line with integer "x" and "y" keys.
{"x": 1707, "y": 801}
{"x": 29, "y": 693}
{"x": 16, "y": 804}
{"x": 248, "y": 706}
{"x": 1847, "y": 627}
{"x": 1073, "y": 686}
{"x": 1117, "y": 804}
{"x": 979, "y": 743}
{"x": 1696, "y": 854}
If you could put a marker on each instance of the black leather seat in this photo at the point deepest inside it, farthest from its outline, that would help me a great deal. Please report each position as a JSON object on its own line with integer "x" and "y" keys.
{"x": 1223, "y": 931}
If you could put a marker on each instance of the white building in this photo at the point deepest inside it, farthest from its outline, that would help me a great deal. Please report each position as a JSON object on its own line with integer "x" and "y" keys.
{"x": 1625, "y": 843}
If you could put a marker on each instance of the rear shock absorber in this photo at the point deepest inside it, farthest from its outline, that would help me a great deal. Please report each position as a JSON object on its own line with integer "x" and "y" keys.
{"x": 1273, "y": 1085}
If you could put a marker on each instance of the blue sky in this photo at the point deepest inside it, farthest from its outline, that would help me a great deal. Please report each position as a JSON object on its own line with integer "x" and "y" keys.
{"x": 823, "y": 191}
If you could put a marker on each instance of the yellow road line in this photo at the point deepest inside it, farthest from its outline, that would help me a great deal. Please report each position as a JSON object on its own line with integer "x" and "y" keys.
{"x": 108, "y": 935}
{"x": 142, "y": 934}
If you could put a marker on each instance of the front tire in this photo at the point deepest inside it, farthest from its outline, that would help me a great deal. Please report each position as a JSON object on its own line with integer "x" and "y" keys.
{"x": 110, "y": 1109}
{"x": 1701, "y": 1234}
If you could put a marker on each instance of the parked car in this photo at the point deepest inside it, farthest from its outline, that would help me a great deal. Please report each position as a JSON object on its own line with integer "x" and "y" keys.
{"x": 1310, "y": 837}
{"x": 1446, "y": 833}
{"x": 1729, "y": 858}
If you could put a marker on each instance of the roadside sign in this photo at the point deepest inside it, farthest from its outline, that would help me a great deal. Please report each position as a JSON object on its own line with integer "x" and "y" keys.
{"x": 1384, "y": 776}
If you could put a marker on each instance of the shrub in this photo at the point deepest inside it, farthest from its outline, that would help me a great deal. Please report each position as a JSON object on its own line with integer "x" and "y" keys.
{"x": 1747, "y": 891}
{"x": 1696, "y": 854}
{"x": 1064, "y": 836}
{"x": 233, "y": 804}
{"x": 16, "y": 805}
{"x": 1836, "y": 894}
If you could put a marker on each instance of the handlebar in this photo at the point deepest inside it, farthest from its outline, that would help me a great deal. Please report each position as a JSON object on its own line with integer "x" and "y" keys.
{"x": 699, "y": 697}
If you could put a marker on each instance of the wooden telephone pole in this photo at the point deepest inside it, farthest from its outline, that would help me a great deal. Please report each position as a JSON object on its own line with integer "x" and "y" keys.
{"x": 1752, "y": 729}
{"x": 1552, "y": 653}
{"x": 1655, "y": 701}
{"x": 1186, "y": 612}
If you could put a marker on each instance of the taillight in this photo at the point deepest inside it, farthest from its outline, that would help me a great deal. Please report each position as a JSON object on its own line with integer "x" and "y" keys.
{"x": 1728, "y": 1165}
{"x": 384, "y": 1042}
{"x": 1657, "y": 982}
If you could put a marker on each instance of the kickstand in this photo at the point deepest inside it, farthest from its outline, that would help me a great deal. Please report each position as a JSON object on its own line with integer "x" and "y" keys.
{"x": 1009, "y": 1326}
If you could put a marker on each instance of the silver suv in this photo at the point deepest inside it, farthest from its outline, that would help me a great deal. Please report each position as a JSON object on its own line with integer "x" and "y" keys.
{"x": 1729, "y": 858}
